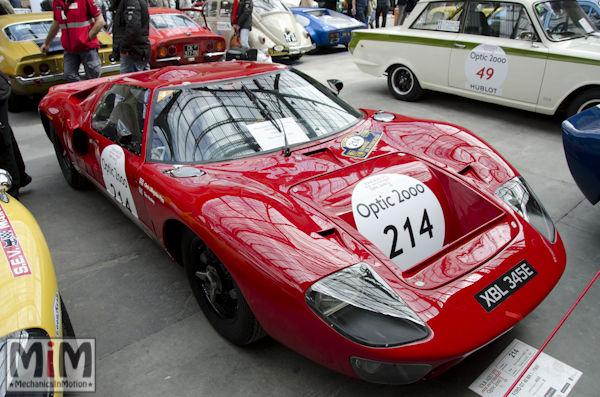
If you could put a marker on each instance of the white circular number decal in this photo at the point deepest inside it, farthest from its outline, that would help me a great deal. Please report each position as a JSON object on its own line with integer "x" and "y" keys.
{"x": 115, "y": 178}
{"x": 486, "y": 68}
{"x": 401, "y": 216}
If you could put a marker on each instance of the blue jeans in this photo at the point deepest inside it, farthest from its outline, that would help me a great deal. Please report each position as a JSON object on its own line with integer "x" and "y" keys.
{"x": 244, "y": 33}
{"x": 128, "y": 64}
{"x": 90, "y": 60}
{"x": 361, "y": 14}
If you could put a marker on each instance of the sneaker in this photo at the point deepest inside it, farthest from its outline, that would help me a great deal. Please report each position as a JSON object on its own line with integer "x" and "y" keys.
{"x": 371, "y": 25}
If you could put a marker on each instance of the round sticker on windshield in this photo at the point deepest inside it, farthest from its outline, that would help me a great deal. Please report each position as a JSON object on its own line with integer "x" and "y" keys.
{"x": 115, "y": 178}
{"x": 486, "y": 68}
{"x": 401, "y": 216}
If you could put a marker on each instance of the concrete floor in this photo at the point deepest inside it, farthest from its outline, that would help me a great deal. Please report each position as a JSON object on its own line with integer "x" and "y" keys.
{"x": 152, "y": 340}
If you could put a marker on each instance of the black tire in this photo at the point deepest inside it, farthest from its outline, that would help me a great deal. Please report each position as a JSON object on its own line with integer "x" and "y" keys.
{"x": 403, "y": 83}
{"x": 72, "y": 176}
{"x": 67, "y": 327}
{"x": 217, "y": 293}
{"x": 584, "y": 101}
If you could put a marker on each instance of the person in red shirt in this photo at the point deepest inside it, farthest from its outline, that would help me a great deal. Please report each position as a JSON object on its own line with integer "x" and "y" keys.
{"x": 79, "y": 22}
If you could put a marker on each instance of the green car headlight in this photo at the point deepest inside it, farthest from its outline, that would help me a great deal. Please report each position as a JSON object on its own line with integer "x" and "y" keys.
{"x": 359, "y": 304}
{"x": 520, "y": 197}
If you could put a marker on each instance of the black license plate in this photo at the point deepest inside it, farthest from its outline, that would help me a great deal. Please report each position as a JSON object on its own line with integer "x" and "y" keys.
{"x": 190, "y": 50}
{"x": 506, "y": 285}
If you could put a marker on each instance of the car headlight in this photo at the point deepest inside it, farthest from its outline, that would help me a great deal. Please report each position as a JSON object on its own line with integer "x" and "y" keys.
{"x": 358, "y": 304}
{"x": 24, "y": 336}
{"x": 519, "y": 196}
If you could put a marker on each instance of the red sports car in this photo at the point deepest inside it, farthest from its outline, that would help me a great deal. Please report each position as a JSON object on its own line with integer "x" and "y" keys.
{"x": 177, "y": 39}
{"x": 384, "y": 247}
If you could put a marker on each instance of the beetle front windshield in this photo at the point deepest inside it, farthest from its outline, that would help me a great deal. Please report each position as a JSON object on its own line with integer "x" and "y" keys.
{"x": 563, "y": 20}
{"x": 264, "y": 6}
{"x": 244, "y": 117}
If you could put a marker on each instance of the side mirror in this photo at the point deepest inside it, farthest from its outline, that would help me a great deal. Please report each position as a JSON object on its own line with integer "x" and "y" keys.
{"x": 335, "y": 86}
{"x": 5, "y": 184}
{"x": 526, "y": 35}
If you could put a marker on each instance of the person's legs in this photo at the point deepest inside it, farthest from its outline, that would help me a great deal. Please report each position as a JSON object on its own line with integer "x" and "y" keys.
{"x": 384, "y": 13}
{"x": 7, "y": 154}
{"x": 126, "y": 64}
{"x": 361, "y": 14}
{"x": 244, "y": 33}
{"x": 91, "y": 63}
{"x": 71, "y": 63}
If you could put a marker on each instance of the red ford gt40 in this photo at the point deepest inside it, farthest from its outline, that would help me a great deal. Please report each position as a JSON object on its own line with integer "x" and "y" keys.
{"x": 384, "y": 247}
{"x": 177, "y": 39}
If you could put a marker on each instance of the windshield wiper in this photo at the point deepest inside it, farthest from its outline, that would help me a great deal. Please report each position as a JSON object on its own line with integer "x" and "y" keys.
{"x": 268, "y": 115}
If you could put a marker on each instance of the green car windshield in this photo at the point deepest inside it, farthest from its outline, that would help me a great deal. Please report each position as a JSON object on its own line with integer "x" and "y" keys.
{"x": 244, "y": 117}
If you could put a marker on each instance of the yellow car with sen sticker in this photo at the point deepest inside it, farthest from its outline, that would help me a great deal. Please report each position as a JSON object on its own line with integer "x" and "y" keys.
{"x": 29, "y": 296}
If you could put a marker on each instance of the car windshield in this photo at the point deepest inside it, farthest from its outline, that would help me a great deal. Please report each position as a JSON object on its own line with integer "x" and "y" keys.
{"x": 264, "y": 6}
{"x": 563, "y": 20}
{"x": 170, "y": 21}
{"x": 242, "y": 118}
{"x": 28, "y": 30}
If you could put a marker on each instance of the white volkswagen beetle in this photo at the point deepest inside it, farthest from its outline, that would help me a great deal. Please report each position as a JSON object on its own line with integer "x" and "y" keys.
{"x": 540, "y": 56}
{"x": 274, "y": 27}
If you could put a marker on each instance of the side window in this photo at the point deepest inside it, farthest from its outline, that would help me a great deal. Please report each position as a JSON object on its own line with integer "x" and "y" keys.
{"x": 226, "y": 9}
{"x": 120, "y": 116}
{"x": 442, "y": 16}
{"x": 210, "y": 8}
{"x": 504, "y": 20}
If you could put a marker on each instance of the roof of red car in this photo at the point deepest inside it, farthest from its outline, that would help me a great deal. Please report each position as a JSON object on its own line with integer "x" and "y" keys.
{"x": 176, "y": 75}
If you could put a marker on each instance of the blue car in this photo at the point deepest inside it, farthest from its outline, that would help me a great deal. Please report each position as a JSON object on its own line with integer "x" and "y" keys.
{"x": 326, "y": 27}
{"x": 581, "y": 140}
{"x": 592, "y": 10}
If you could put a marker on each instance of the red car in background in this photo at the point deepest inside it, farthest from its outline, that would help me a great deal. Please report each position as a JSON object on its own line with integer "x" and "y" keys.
{"x": 177, "y": 39}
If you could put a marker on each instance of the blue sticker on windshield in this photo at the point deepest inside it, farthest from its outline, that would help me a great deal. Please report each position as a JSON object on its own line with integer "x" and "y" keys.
{"x": 360, "y": 145}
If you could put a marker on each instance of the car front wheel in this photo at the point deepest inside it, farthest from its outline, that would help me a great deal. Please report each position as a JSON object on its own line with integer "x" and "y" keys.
{"x": 217, "y": 293}
{"x": 584, "y": 101}
{"x": 403, "y": 83}
{"x": 72, "y": 176}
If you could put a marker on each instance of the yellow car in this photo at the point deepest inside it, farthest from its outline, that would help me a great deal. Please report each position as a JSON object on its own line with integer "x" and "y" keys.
{"x": 32, "y": 72}
{"x": 30, "y": 304}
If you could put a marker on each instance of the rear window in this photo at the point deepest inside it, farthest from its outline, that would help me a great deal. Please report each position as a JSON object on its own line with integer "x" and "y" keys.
{"x": 170, "y": 21}
{"x": 28, "y": 30}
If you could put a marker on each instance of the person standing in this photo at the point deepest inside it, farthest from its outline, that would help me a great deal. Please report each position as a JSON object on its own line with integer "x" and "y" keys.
{"x": 383, "y": 6}
{"x": 10, "y": 155}
{"x": 241, "y": 20}
{"x": 359, "y": 10}
{"x": 79, "y": 22}
{"x": 131, "y": 25}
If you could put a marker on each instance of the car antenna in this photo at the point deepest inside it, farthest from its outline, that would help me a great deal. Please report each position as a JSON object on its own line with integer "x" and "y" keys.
{"x": 267, "y": 114}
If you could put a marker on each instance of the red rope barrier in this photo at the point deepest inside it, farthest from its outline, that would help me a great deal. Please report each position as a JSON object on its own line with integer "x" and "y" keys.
{"x": 552, "y": 335}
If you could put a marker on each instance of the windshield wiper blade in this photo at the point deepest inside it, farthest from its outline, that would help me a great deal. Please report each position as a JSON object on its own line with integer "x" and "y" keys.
{"x": 268, "y": 115}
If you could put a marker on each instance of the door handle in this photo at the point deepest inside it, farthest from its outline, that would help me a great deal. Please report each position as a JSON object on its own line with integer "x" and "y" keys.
{"x": 459, "y": 45}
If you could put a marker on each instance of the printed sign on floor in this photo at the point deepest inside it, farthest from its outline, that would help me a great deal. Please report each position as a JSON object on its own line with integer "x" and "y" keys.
{"x": 547, "y": 377}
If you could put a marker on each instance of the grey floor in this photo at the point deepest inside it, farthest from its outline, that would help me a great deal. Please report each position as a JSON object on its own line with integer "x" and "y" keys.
{"x": 123, "y": 290}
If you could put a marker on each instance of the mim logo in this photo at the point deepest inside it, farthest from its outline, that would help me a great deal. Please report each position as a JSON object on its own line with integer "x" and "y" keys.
{"x": 49, "y": 365}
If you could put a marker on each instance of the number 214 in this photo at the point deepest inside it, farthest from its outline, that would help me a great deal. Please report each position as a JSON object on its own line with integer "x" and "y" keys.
{"x": 426, "y": 227}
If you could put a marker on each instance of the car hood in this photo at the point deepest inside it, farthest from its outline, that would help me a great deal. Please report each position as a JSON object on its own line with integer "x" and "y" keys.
{"x": 339, "y": 22}
{"x": 178, "y": 33}
{"x": 421, "y": 210}
{"x": 276, "y": 24}
{"x": 28, "y": 288}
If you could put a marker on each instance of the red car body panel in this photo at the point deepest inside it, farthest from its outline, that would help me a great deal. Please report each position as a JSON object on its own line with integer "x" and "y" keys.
{"x": 280, "y": 224}
{"x": 179, "y": 37}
